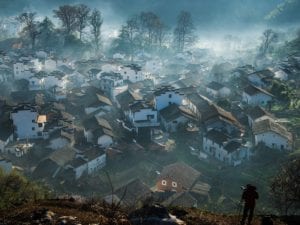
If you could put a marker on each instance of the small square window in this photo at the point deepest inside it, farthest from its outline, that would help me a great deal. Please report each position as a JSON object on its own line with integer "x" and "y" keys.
{"x": 33, "y": 128}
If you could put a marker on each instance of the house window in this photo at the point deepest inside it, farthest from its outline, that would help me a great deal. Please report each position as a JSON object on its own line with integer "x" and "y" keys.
{"x": 164, "y": 182}
{"x": 40, "y": 124}
{"x": 33, "y": 121}
{"x": 33, "y": 128}
{"x": 170, "y": 95}
{"x": 39, "y": 134}
{"x": 150, "y": 117}
{"x": 174, "y": 184}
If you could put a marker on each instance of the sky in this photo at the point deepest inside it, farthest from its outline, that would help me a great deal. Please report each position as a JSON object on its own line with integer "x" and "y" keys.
{"x": 208, "y": 15}
{"x": 205, "y": 12}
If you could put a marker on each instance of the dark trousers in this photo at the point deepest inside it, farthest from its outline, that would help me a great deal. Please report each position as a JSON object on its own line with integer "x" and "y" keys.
{"x": 250, "y": 210}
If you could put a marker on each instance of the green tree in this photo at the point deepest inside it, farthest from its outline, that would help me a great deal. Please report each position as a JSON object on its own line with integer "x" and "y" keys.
{"x": 285, "y": 187}
{"x": 15, "y": 190}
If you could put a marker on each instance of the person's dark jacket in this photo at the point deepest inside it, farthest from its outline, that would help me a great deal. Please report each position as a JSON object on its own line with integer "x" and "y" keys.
{"x": 249, "y": 196}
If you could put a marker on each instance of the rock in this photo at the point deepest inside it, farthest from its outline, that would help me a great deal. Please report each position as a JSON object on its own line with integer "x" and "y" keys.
{"x": 43, "y": 216}
{"x": 154, "y": 215}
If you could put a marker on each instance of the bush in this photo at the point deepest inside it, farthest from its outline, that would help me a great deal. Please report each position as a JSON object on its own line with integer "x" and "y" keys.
{"x": 15, "y": 190}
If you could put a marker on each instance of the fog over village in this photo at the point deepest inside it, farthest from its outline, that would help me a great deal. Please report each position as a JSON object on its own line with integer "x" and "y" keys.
{"x": 177, "y": 103}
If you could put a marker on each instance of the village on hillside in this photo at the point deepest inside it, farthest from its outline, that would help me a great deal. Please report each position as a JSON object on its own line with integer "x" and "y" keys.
{"x": 188, "y": 129}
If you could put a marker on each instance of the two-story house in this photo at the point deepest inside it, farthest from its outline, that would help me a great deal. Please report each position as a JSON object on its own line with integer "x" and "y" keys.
{"x": 165, "y": 96}
{"x": 216, "y": 89}
{"x": 142, "y": 114}
{"x": 132, "y": 73}
{"x": 28, "y": 123}
{"x": 272, "y": 134}
{"x": 253, "y": 95}
{"x": 219, "y": 145}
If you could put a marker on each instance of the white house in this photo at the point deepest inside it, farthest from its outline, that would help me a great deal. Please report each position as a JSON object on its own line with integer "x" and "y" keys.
{"x": 171, "y": 117}
{"x": 112, "y": 84}
{"x": 165, "y": 96}
{"x": 142, "y": 115}
{"x": 221, "y": 147}
{"x": 216, "y": 89}
{"x": 256, "y": 113}
{"x": 253, "y": 95}
{"x": 272, "y": 134}
{"x": 22, "y": 71}
{"x": 5, "y": 138}
{"x": 5, "y": 165}
{"x": 28, "y": 124}
{"x": 50, "y": 65}
{"x": 261, "y": 78}
{"x": 132, "y": 73}
{"x": 153, "y": 66}
{"x": 88, "y": 162}
{"x": 110, "y": 67}
{"x": 94, "y": 133}
{"x": 5, "y": 73}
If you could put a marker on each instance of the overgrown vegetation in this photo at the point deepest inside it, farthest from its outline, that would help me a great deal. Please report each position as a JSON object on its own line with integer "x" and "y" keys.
{"x": 16, "y": 190}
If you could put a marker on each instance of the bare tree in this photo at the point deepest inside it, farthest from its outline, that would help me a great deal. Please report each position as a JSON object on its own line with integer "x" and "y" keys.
{"x": 151, "y": 28}
{"x": 82, "y": 14}
{"x": 130, "y": 33}
{"x": 269, "y": 37}
{"x": 184, "y": 30}
{"x": 30, "y": 26}
{"x": 68, "y": 16}
{"x": 96, "y": 21}
{"x": 285, "y": 187}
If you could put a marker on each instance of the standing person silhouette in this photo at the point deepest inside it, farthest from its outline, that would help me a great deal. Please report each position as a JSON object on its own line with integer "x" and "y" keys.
{"x": 249, "y": 197}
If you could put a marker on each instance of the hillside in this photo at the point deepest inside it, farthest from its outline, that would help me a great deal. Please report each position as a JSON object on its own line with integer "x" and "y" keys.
{"x": 70, "y": 211}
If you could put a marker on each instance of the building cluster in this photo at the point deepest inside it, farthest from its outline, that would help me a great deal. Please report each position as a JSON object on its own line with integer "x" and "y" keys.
{"x": 75, "y": 115}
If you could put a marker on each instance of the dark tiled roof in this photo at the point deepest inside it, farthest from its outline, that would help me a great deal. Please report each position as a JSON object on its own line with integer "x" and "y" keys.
{"x": 252, "y": 90}
{"x": 126, "y": 98}
{"x": 181, "y": 173}
{"x": 170, "y": 113}
{"x": 138, "y": 105}
{"x": 216, "y": 112}
{"x": 163, "y": 89}
{"x": 263, "y": 73}
{"x": 215, "y": 86}
{"x": 183, "y": 199}
{"x": 134, "y": 67}
{"x": 232, "y": 146}
{"x": 133, "y": 192}
{"x": 45, "y": 168}
{"x": 258, "y": 112}
{"x": 93, "y": 153}
{"x": 77, "y": 162}
{"x": 217, "y": 136}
